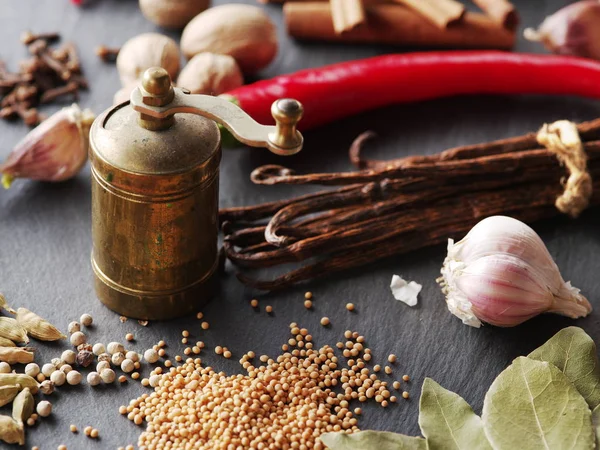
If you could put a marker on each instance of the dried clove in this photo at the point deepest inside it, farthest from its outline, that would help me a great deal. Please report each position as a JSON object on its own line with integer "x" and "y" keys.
{"x": 27, "y": 37}
{"x": 54, "y": 93}
{"x": 107, "y": 54}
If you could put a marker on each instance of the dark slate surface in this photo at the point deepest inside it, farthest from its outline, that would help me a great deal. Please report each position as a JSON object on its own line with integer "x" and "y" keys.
{"x": 45, "y": 238}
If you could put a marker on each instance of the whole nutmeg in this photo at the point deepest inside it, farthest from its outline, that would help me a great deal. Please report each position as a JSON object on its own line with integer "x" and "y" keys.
{"x": 207, "y": 73}
{"x": 172, "y": 13}
{"x": 144, "y": 51}
{"x": 244, "y": 32}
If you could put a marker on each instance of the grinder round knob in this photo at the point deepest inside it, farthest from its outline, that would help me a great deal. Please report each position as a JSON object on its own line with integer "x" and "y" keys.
{"x": 286, "y": 140}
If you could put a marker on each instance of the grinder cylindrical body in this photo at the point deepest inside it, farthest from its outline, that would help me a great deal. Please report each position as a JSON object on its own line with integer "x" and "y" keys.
{"x": 154, "y": 213}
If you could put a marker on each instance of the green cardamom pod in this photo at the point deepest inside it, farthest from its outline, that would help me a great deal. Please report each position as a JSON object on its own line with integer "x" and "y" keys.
{"x": 23, "y": 406}
{"x": 10, "y": 329}
{"x": 8, "y": 393}
{"x": 6, "y": 342}
{"x": 11, "y": 432}
{"x": 37, "y": 327}
{"x": 25, "y": 381}
{"x": 4, "y": 305}
{"x": 16, "y": 355}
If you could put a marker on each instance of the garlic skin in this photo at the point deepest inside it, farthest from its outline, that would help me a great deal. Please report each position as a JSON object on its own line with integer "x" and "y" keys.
{"x": 572, "y": 30}
{"x": 55, "y": 150}
{"x": 501, "y": 273}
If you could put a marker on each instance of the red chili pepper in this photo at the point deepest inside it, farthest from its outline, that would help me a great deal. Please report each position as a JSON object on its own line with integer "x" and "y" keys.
{"x": 340, "y": 90}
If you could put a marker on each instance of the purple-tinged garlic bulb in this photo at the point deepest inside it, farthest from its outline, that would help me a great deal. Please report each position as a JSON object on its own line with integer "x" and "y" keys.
{"x": 55, "y": 150}
{"x": 501, "y": 273}
{"x": 572, "y": 30}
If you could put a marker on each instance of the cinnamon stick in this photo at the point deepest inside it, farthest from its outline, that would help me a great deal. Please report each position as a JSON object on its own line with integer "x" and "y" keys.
{"x": 396, "y": 25}
{"x": 346, "y": 14}
{"x": 502, "y": 11}
{"x": 442, "y": 13}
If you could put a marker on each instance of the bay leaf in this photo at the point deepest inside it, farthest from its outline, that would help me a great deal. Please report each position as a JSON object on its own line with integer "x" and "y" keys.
{"x": 574, "y": 353}
{"x": 448, "y": 422}
{"x": 372, "y": 440}
{"x": 533, "y": 405}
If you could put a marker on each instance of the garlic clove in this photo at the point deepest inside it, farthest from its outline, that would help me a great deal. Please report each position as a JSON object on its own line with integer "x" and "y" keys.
{"x": 55, "y": 150}
{"x": 502, "y": 273}
{"x": 572, "y": 30}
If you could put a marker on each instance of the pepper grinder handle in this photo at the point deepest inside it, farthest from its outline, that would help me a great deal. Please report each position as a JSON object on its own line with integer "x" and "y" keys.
{"x": 157, "y": 101}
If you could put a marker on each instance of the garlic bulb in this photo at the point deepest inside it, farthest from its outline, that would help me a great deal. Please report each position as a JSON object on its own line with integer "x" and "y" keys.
{"x": 53, "y": 151}
{"x": 502, "y": 273}
{"x": 572, "y": 30}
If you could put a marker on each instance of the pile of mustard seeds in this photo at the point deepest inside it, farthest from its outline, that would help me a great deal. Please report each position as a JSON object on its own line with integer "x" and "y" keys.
{"x": 285, "y": 403}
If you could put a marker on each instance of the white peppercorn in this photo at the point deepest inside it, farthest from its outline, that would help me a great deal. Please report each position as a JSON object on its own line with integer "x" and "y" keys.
{"x": 117, "y": 358}
{"x": 57, "y": 362}
{"x": 66, "y": 368}
{"x": 44, "y": 408}
{"x": 48, "y": 368}
{"x": 103, "y": 357}
{"x": 73, "y": 378}
{"x": 86, "y": 320}
{"x": 154, "y": 379}
{"x": 93, "y": 378}
{"x": 68, "y": 357}
{"x": 78, "y": 338}
{"x": 108, "y": 376}
{"x": 32, "y": 369}
{"x": 74, "y": 327}
{"x": 58, "y": 378}
{"x": 115, "y": 347}
{"x": 102, "y": 365}
{"x": 47, "y": 387}
{"x": 5, "y": 367}
{"x": 127, "y": 366}
{"x": 151, "y": 355}
{"x": 132, "y": 356}
{"x": 98, "y": 349}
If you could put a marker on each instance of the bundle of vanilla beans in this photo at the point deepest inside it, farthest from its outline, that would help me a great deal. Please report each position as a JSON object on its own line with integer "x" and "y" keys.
{"x": 392, "y": 207}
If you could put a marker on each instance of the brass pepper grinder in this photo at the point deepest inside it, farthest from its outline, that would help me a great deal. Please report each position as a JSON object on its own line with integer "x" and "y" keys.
{"x": 155, "y": 188}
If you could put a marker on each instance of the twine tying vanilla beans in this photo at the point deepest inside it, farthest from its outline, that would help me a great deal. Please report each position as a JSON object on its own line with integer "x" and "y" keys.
{"x": 562, "y": 139}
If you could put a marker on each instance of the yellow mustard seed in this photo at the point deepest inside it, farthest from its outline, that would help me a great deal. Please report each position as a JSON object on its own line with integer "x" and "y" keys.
{"x": 123, "y": 409}
{"x": 129, "y": 337}
{"x": 269, "y": 309}
{"x": 94, "y": 433}
{"x": 87, "y": 431}
{"x": 145, "y": 382}
{"x": 62, "y": 447}
{"x": 325, "y": 321}
{"x": 184, "y": 340}
{"x": 73, "y": 428}
{"x": 376, "y": 368}
{"x": 350, "y": 306}
{"x": 405, "y": 377}
{"x": 219, "y": 350}
{"x": 388, "y": 370}
{"x": 396, "y": 385}
{"x": 161, "y": 344}
{"x": 254, "y": 303}
{"x": 205, "y": 325}
{"x": 199, "y": 316}
{"x": 308, "y": 295}
{"x": 122, "y": 379}
{"x": 227, "y": 354}
{"x": 162, "y": 352}
{"x": 307, "y": 304}
{"x": 392, "y": 358}
{"x": 405, "y": 395}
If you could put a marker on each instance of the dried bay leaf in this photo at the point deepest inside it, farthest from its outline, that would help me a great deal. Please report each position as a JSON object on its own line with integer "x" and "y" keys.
{"x": 448, "y": 422}
{"x": 372, "y": 440}
{"x": 10, "y": 329}
{"x": 574, "y": 353}
{"x": 11, "y": 432}
{"x": 533, "y": 405}
{"x": 37, "y": 327}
